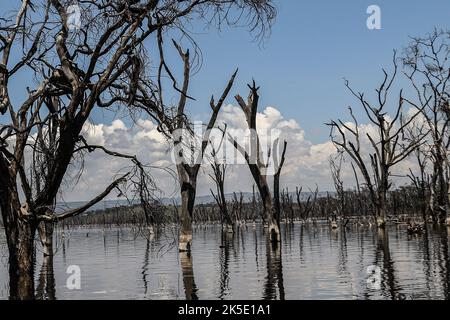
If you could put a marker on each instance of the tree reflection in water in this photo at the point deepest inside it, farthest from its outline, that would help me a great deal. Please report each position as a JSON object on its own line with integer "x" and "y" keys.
{"x": 187, "y": 270}
{"x": 45, "y": 289}
{"x": 389, "y": 285}
{"x": 224, "y": 281}
{"x": 274, "y": 279}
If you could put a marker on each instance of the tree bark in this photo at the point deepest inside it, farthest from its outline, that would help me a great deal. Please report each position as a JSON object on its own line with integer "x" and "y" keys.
{"x": 46, "y": 236}
{"x": 188, "y": 191}
{"x": 276, "y": 181}
{"x": 20, "y": 239}
{"x": 20, "y": 231}
{"x": 270, "y": 213}
{"x": 381, "y": 210}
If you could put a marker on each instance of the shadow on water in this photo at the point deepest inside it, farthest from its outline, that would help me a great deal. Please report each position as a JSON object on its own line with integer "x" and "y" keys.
{"x": 255, "y": 236}
{"x": 444, "y": 262}
{"x": 274, "y": 279}
{"x": 224, "y": 281}
{"x": 343, "y": 271}
{"x": 145, "y": 267}
{"x": 389, "y": 285}
{"x": 187, "y": 270}
{"x": 426, "y": 259}
{"x": 45, "y": 289}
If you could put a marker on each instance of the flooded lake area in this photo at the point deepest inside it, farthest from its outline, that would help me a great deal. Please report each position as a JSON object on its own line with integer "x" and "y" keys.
{"x": 313, "y": 262}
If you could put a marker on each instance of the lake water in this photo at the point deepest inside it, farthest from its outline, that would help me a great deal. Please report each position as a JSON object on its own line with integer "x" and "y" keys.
{"x": 314, "y": 262}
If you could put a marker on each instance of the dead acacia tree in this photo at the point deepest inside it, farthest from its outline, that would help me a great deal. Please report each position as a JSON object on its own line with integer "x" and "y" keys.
{"x": 189, "y": 149}
{"x": 237, "y": 207}
{"x": 255, "y": 162}
{"x": 422, "y": 178}
{"x": 287, "y": 205}
{"x": 427, "y": 68}
{"x": 385, "y": 149}
{"x": 218, "y": 176}
{"x": 305, "y": 208}
{"x": 336, "y": 174}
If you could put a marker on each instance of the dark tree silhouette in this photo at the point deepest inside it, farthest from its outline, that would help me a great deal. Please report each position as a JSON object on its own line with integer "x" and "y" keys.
{"x": 387, "y": 147}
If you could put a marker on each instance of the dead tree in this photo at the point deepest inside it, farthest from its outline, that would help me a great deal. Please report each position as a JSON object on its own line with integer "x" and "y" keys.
{"x": 278, "y": 166}
{"x": 189, "y": 150}
{"x": 238, "y": 204}
{"x": 422, "y": 180}
{"x": 387, "y": 148}
{"x": 428, "y": 69}
{"x": 336, "y": 169}
{"x": 287, "y": 205}
{"x": 255, "y": 206}
{"x": 255, "y": 162}
{"x": 218, "y": 176}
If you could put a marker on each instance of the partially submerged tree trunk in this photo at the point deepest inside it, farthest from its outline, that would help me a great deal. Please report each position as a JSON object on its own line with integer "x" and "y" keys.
{"x": 428, "y": 69}
{"x": 336, "y": 170}
{"x": 46, "y": 236}
{"x": 218, "y": 176}
{"x": 441, "y": 187}
{"x": 188, "y": 186}
{"x": 20, "y": 227}
{"x": 21, "y": 260}
{"x": 276, "y": 177}
{"x": 257, "y": 168}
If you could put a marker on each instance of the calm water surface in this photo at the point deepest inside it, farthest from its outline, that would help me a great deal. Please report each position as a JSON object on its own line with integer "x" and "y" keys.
{"x": 314, "y": 263}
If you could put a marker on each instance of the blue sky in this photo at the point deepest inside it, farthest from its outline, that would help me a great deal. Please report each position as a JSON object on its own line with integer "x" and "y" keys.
{"x": 314, "y": 45}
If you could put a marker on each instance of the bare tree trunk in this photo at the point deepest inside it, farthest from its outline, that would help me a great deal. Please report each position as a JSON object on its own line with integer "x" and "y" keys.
{"x": 188, "y": 192}
{"x": 420, "y": 60}
{"x": 447, "y": 220}
{"x": 254, "y": 161}
{"x": 270, "y": 214}
{"x": 441, "y": 205}
{"x": 385, "y": 152}
{"x": 276, "y": 196}
{"x": 46, "y": 235}
{"x": 218, "y": 176}
{"x": 229, "y": 226}
{"x": 20, "y": 230}
{"x": 20, "y": 239}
